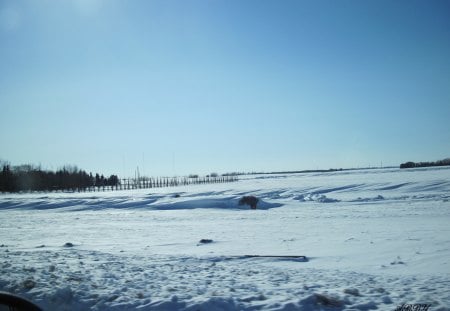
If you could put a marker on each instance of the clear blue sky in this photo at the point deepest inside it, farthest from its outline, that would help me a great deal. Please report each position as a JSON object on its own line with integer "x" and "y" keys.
{"x": 179, "y": 87}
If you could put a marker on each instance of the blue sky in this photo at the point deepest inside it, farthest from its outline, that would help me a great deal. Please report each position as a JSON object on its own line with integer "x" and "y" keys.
{"x": 179, "y": 87}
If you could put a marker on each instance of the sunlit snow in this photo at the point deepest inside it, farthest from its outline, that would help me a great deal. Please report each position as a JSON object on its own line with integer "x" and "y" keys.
{"x": 374, "y": 239}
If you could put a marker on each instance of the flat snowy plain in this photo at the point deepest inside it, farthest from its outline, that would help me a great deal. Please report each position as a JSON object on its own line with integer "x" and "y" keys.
{"x": 374, "y": 239}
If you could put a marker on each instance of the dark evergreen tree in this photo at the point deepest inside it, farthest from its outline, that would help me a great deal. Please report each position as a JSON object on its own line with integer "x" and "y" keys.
{"x": 30, "y": 178}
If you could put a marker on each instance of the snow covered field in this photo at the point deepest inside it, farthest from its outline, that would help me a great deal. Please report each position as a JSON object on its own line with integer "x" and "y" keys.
{"x": 374, "y": 239}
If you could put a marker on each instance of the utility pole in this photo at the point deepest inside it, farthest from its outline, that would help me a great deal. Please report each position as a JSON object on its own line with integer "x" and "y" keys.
{"x": 123, "y": 166}
{"x": 138, "y": 177}
{"x": 143, "y": 163}
{"x": 173, "y": 163}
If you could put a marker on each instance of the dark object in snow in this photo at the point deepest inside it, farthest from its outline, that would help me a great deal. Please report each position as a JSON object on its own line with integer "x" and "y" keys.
{"x": 398, "y": 263}
{"x": 249, "y": 200}
{"x": 29, "y": 284}
{"x": 328, "y": 301}
{"x": 68, "y": 244}
{"x": 352, "y": 291}
{"x": 13, "y": 302}
{"x": 205, "y": 241}
{"x": 298, "y": 257}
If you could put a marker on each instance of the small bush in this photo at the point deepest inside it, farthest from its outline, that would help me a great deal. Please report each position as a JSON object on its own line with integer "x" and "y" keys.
{"x": 249, "y": 200}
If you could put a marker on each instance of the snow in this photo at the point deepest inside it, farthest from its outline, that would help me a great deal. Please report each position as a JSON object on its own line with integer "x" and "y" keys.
{"x": 374, "y": 239}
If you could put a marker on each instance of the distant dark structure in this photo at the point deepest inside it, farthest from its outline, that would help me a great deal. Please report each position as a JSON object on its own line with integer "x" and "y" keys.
{"x": 410, "y": 164}
{"x": 249, "y": 200}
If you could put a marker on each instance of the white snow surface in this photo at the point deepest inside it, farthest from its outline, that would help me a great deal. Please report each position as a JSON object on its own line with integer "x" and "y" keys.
{"x": 374, "y": 239}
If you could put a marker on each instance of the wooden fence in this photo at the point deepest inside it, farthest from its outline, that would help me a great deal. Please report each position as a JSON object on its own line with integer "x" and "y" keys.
{"x": 159, "y": 182}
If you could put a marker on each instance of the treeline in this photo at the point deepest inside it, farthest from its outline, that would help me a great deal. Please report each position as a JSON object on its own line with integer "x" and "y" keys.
{"x": 444, "y": 162}
{"x": 30, "y": 178}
